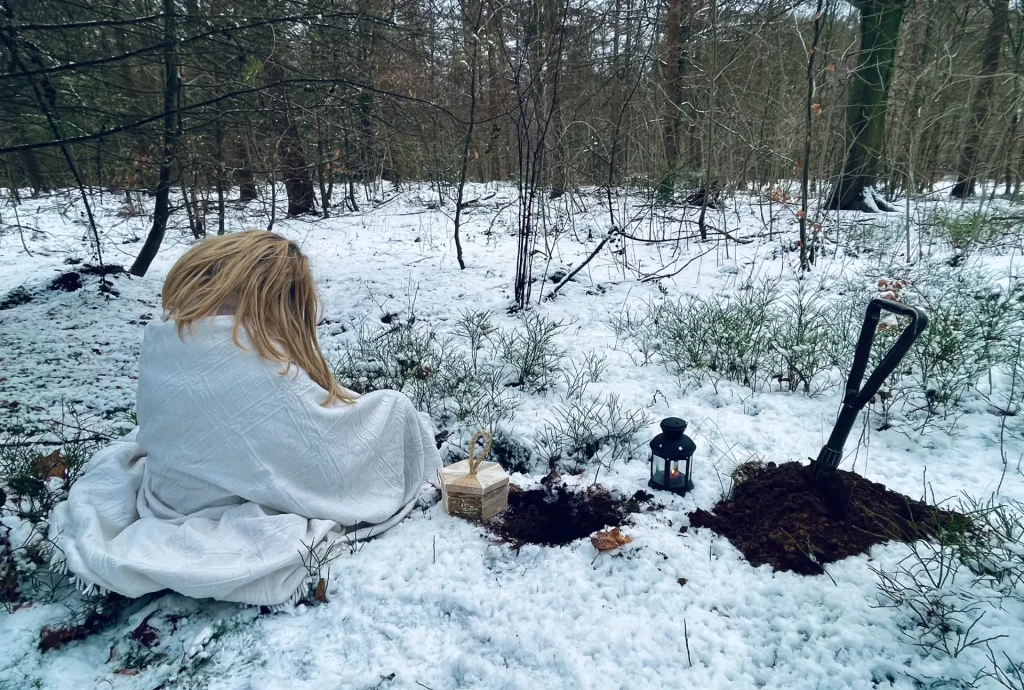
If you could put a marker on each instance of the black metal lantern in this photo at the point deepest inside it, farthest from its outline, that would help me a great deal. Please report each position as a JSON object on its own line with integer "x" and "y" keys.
{"x": 672, "y": 458}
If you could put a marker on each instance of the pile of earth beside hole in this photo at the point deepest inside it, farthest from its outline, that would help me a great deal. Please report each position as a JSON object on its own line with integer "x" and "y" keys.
{"x": 773, "y": 517}
{"x": 556, "y": 515}
{"x": 72, "y": 280}
{"x": 15, "y": 298}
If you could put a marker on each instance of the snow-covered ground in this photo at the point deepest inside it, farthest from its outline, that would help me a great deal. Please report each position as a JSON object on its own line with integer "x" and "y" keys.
{"x": 434, "y": 603}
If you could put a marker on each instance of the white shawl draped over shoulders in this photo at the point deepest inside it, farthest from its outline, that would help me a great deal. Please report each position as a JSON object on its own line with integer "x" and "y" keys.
{"x": 234, "y": 467}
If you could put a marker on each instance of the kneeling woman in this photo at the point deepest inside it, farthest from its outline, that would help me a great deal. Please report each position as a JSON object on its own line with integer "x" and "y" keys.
{"x": 248, "y": 452}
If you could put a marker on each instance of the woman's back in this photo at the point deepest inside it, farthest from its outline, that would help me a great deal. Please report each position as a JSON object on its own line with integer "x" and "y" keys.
{"x": 220, "y": 424}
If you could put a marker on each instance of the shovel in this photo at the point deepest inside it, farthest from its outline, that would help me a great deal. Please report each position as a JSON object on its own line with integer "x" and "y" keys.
{"x": 826, "y": 481}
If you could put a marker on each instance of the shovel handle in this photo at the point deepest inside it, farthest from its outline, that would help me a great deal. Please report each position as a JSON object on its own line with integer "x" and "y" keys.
{"x": 857, "y": 395}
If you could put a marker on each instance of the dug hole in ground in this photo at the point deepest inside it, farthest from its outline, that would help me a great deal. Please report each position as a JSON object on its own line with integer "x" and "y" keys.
{"x": 734, "y": 339}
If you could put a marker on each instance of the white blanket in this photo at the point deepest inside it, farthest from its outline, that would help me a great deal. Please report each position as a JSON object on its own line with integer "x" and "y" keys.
{"x": 234, "y": 471}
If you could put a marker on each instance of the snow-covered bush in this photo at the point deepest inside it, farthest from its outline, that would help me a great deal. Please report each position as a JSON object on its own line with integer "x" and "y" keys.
{"x": 440, "y": 378}
{"x": 589, "y": 430}
{"x": 946, "y": 585}
{"x": 993, "y": 548}
{"x": 638, "y": 331}
{"x": 37, "y": 468}
{"x": 971, "y": 319}
{"x": 531, "y": 352}
{"x": 721, "y": 337}
{"x": 802, "y": 341}
{"x": 480, "y": 388}
{"x": 476, "y": 328}
{"x": 756, "y": 338}
{"x": 967, "y": 233}
{"x": 578, "y": 375}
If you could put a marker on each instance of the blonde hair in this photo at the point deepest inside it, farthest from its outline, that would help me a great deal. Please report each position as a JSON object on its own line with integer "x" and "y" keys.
{"x": 266, "y": 281}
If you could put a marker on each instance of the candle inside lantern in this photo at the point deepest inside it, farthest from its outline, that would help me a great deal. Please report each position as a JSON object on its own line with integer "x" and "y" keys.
{"x": 676, "y": 479}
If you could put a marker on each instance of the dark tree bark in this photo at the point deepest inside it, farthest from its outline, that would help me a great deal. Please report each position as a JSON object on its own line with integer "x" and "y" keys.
{"x": 555, "y": 36}
{"x": 298, "y": 182}
{"x": 807, "y": 258}
{"x": 321, "y": 164}
{"x": 162, "y": 208}
{"x": 967, "y": 167}
{"x": 869, "y": 96}
{"x": 365, "y": 104}
{"x": 221, "y": 164}
{"x": 30, "y": 166}
{"x": 472, "y": 16}
{"x": 243, "y": 173}
{"x": 675, "y": 67}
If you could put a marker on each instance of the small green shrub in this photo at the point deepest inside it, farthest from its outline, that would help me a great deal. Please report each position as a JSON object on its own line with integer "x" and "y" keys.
{"x": 437, "y": 376}
{"x": 531, "y": 352}
{"x": 38, "y": 466}
{"x": 946, "y": 585}
{"x": 801, "y": 340}
{"x": 640, "y": 330}
{"x": 588, "y": 431}
{"x": 965, "y": 232}
{"x": 968, "y": 332}
{"x": 579, "y": 375}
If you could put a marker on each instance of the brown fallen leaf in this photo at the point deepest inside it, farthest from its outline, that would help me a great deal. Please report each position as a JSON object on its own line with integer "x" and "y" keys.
{"x": 52, "y": 465}
{"x": 321, "y": 591}
{"x": 145, "y": 634}
{"x": 127, "y": 671}
{"x": 682, "y": 581}
{"x": 53, "y": 637}
{"x": 610, "y": 539}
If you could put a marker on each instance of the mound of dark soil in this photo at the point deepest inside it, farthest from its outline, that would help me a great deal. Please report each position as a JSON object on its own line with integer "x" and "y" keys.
{"x": 68, "y": 282}
{"x": 15, "y": 298}
{"x": 774, "y": 517}
{"x": 556, "y": 515}
{"x": 72, "y": 280}
{"x": 104, "y": 270}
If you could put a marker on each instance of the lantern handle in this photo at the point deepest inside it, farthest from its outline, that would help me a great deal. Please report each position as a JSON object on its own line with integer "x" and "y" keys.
{"x": 476, "y": 459}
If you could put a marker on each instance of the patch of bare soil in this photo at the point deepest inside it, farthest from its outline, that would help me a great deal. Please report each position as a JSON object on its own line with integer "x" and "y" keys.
{"x": 555, "y": 515}
{"x": 774, "y": 517}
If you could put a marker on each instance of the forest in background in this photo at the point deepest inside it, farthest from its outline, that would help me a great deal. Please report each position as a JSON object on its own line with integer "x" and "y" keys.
{"x": 832, "y": 104}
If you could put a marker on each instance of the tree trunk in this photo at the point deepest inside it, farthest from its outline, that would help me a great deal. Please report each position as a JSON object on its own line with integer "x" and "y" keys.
{"x": 365, "y": 99}
{"x": 675, "y": 36}
{"x": 807, "y": 258}
{"x": 298, "y": 183}
{"x": 1008, "y": 171}
{"x": 471, "y": 40}
{"x": 321, "y": 164}
{"x": 243, "y": 174}
{"x": 869, "y": 95}
{"x": 555, "y": 40}
{"x": 30, "y": 167}
{"x": 162, "y": 208}
{"x": 187, "y": 203}
{"x": 967, "y": 168}
{"x": 221, "y": 165}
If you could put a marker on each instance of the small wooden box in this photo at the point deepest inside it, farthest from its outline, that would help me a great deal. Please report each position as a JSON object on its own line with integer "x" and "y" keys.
{"x": 478, "y": 496}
